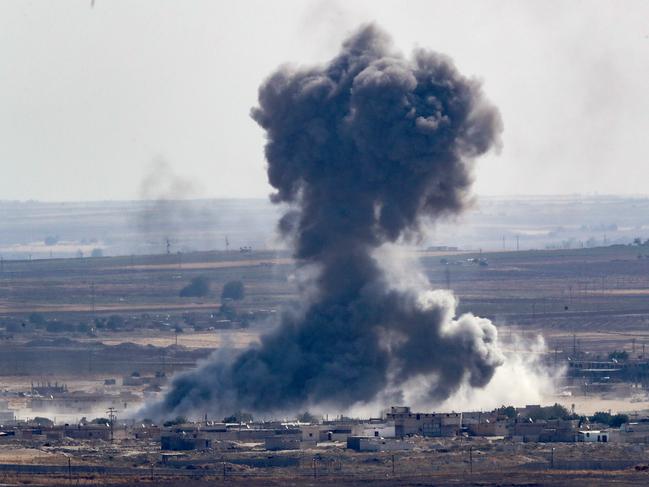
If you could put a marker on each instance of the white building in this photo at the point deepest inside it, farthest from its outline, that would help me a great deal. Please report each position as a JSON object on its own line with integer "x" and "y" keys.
{"x": 377, "y": 430}
{"x": 372, "y": 443}
{"x": 593, "y": 436}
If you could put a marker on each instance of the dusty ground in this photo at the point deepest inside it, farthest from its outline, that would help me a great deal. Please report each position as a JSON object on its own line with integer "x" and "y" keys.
{"x": 433, "y": 462}
{"x": 209, "y": 339}
{"x": 594, "y": 300}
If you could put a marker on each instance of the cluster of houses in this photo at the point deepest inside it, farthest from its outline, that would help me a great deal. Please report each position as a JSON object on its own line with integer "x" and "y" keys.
{"x": 393, "y": 431}
{"x": 44, "y": 430}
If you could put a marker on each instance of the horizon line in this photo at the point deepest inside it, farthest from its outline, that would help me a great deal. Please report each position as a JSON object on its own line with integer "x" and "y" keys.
{"x": 512, "y": 196}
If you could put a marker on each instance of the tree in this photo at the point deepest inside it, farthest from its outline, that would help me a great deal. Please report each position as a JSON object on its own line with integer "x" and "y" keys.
{"x": 600, "y": 417}
{"x": 509, "y": 411}
{"x": 618, "y": 420}
{"x": 614, "y": 421}
{"x": 233, "y": 290}
{"x": 556, "y": 411}
{"x": 238, "y": 417}
{"x": 42, "y": 422}
{"x": 198, "y": 287}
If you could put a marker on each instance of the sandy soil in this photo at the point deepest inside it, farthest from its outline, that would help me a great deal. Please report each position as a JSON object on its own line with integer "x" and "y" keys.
{"x": 12, "y": 454}
{"x": 589, "y": 405}
{"x": 208, "y": 339}
{"x": 118, "y": 307}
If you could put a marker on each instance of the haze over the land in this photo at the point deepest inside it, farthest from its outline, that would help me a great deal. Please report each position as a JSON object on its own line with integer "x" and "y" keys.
{"x": 42, "y": 230}
{"x": 91, "y": 97}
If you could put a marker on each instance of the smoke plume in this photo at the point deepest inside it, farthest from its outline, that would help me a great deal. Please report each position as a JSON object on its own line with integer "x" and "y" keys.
{"x": 362, "y": 150}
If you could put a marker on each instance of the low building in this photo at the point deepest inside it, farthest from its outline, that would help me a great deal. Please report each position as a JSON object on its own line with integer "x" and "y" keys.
{"x": 184, "y": 442}
{"x": 335, "y": 433}
{"x": 87, "y": 431}
{"x": 146, "y": 432}
{"x": 310, "y": 433}
{"x": 282, "y": 442}
{"x": 526, "y": 431}
{"x": 408, "y": 423}
{"x": 376, "y": 429}
{"x": 488, "y": 428}
{"x": 372, "y": 443}
{"x": 592, "y": 436}
{"x": 479, "y": 417}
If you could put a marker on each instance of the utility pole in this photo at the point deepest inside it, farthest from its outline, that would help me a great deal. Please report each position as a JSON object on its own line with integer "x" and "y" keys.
{"x": 168, "y": 245}
{"x": 552, "y": 459}
{"x": 227, "y": 243}
{"x": 112, "y": 417}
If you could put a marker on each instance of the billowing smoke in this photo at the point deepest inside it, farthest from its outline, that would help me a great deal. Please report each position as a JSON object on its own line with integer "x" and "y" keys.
{"x": 362, "y": 150}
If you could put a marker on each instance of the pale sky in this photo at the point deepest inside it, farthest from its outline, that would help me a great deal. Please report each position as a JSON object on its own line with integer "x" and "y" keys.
{"x": 92, "y": 98}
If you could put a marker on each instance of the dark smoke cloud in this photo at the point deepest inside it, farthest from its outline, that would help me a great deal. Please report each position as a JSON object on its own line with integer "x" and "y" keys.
{"x": 362, "y": 149}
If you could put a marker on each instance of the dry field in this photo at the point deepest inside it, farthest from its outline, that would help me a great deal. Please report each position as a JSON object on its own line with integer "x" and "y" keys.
{"x": 592, "y": 299}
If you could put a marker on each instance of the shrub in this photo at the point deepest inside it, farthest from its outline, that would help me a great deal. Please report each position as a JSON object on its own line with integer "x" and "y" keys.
{"x": 198, "y": 287}
{"x": 233, "y": 290}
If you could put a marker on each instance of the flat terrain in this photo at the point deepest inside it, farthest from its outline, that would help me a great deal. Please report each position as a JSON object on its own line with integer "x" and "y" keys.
{"x": 431, "y": 463}
{"x": 596, "y": 299}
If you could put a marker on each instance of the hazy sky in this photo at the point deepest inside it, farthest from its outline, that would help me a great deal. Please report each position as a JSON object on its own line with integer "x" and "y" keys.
{"x": 92, "y": 98}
